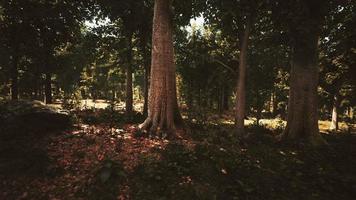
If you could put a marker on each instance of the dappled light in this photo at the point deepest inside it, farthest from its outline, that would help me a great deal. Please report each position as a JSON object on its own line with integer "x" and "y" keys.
{"x": 177, "y": 99}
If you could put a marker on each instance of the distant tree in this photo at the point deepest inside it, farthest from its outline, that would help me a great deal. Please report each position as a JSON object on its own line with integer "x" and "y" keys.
{"x": 33, "y": 31}
{"x": 338, "y": 59}
{"x": 236, "y": 19}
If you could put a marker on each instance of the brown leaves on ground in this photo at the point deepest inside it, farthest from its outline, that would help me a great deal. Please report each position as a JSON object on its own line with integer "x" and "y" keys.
{"x": 104, "y": 162}
{"x": 75, "y": 157}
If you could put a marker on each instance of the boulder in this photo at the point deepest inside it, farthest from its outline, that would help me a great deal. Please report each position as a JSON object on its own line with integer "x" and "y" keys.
{"x": 31, "y": 117}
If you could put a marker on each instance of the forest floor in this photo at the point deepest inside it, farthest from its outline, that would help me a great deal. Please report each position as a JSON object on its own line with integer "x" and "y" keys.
{"x": 105, "y": 159}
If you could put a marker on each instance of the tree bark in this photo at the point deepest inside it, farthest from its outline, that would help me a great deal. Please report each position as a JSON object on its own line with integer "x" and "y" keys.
{"x": 334, "y": 126}
{"x": 48, "y": 88}
{"x": 129, "y": 94}
{"x": 163, "y": 113}
{"x": 241, "y": 82}
{"x": 302, "y": 117}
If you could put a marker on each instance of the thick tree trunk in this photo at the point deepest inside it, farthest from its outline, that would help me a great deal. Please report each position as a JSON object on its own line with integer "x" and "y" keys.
{"x": 302, "y": 119}
{"x": 334, "y": 126}
{"x": 129, "y": 94}
{"x": 48, "y": 88}
{"x": 241, "y": 82}
{"x": 14, "y": 78}
{"x": 163, "y": 113}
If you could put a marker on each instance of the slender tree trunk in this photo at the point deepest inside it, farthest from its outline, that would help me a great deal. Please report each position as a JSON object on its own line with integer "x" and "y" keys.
{"x": 220, "y": 100}
{"x": 36, "y": 85}
{"x": 163, "y": 113}
{"x": 334, "y": 126}
{"x": 129, "y": 94}
{"x": 273, "y": 106}
{"x": 48, "y": 88}
{"x": 146, "y": 63}
{"x": 351, "y": 113}
{"x": 226, "y": 99}
{"x": 241, "y": 82}
{"x": 146, "y": 84}
{"x": 302, "y": 119}
{"x": 258, "y": 115}
{"x": 259, "y": 108}
{"x": 14, "y": 77}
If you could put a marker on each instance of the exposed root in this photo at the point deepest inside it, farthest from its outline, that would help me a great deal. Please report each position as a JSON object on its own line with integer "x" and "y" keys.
{"x": 160, "y": 128}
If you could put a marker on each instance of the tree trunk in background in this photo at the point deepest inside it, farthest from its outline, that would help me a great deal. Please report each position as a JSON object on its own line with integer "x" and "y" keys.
{"x": 223, "y": 100}
{"x": 146, "y": 65}
{"x": 273, "y": 106}
{"x": 163, "y": 113}
{"x": 351, "y": 113}
{"x": 146, "y": 84}
{"x": 37, "y": 85}
{"x": 226, "y": 100}
{"x": 241, "y": 82}
{"x": 258, "y": 115}
{"x": 14, "y": 77}
{"x": 129, "y": 95}
{"x": 48, "y": 89}
{"x": 302, "y": 119}
{"x": 220, "y": 100}
{"x": 334, "y": 126}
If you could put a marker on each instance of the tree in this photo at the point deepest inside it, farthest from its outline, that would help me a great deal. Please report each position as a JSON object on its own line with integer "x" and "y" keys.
{"x": 12, "y": 28}
{"x": 266, "y": 57}
{"x": 144, "y": 35}
{"x": 304, "y": 28}
{"x": 337, "y": 59}
{"x": 236, "y": 19}
{"x": 241, "y": 81}
{"x": 163, "y": 113}
{"x": 33, "y": 31}
{"x": 126, "y": 11}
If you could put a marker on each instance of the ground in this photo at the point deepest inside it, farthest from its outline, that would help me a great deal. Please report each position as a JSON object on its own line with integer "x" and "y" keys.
{"x": 104, "y": 157}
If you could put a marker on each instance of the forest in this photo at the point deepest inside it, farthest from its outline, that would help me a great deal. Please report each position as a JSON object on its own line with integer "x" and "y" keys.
{"x": 177, "y": 99}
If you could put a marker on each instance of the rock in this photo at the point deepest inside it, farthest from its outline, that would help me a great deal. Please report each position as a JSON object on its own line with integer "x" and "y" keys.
{"x": 31, "y": 117}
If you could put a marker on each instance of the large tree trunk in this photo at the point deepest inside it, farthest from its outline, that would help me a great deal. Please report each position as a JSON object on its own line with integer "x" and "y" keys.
{"x": 129, "y": 95}
{"x": 14, "y": 78}
{"x": 302, "y": 119}
{"x": 241, "y": 82}
{"x": 334, "y": 126}
{"x": 163, "y": 113}
{"x": 48, "y": 88}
